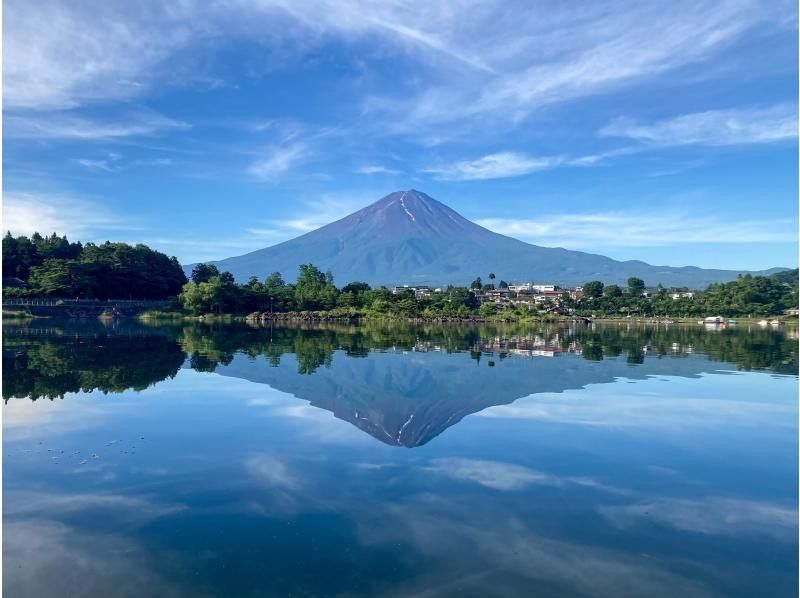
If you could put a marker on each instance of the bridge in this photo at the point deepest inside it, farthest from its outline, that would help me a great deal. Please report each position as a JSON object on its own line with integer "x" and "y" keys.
{"x": 81, "y": 308}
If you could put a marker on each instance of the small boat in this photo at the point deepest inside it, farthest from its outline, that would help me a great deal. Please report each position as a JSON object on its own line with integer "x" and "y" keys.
{"x": 762, "y": 322}
{"x": 775, "y": 323}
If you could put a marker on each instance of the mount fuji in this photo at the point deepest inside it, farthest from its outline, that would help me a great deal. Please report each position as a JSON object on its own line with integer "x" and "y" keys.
{"x": 410, "y": 238}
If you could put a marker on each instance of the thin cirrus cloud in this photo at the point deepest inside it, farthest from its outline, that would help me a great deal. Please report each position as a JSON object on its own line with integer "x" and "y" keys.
{"x": 610, "y": 229}
{"x": 377, "y": 169}
{"x": 79, "y": 54}
{"x": 276, "y": 161}
{"x": 571, "y": 54}
{"x": 494, "y": 166}
{"x": 78, "y": 218}
{"x": 68, "y": 126}
{"x": 512, "y": 164}
{"x": 500, "y": 58}
{"x": 712, "y": 127}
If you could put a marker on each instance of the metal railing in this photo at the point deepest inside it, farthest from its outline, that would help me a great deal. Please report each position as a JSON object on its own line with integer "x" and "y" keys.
{"x": 51, "y": 302}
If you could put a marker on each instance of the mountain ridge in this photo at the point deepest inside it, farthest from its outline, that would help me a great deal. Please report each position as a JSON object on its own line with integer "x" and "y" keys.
{"x": 408, "y": 237}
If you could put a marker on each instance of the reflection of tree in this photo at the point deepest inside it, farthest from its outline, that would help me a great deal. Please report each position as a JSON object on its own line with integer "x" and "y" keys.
{"x": 89, "y": 357}
{"x": 51, "y": 366}
{"x": 314, "y": 345}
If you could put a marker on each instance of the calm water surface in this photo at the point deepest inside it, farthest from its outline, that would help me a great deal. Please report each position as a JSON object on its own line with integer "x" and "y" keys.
{"x": 399, "y": 461}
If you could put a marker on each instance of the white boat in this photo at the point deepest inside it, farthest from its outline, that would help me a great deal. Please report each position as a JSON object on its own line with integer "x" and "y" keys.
{"x": 762, "y": 322}
{"x": 714, "y": 320}
{"x": 776, "y": 323}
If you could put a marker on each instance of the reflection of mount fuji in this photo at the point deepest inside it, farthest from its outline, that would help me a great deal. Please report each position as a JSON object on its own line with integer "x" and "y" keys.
{"x": 402, "y": 384}
{"x": 408, "y": 398}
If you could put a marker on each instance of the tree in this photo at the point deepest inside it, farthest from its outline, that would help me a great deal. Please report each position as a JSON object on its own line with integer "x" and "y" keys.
{"x": 476, "y": 284}
{"x": 635, "y": 286}
{"x": 593, "y": 289}
{"x": 64, "y": 278}
{"x": 491, "y": 278}
{"x": 314, "y": 290}
{"x": 612, "y": 290}
{"x": 274, "y": 281}
{"x": 204, "y": 272}
{"x": 487, "y": 309}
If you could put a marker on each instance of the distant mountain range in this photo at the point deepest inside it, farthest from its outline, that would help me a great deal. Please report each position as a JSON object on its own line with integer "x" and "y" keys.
{"x": 410, "y": 238}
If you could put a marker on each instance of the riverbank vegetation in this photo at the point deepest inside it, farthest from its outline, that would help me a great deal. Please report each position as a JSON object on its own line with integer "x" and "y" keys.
{"x": 55, "y": 267}
{"x": 315, "y": 295}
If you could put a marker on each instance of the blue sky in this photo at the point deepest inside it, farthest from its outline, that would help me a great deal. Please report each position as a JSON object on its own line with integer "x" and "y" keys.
{"x": 661, "y": 131}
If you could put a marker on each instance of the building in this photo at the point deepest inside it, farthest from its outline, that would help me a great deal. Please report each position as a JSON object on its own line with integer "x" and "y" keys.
{"x": 529, "y": 287}
{"x": 682, "y": 295}
{"x": 419, "y": 291}
{"x": 554, "y": 296}
{"x": 494, "y": 296}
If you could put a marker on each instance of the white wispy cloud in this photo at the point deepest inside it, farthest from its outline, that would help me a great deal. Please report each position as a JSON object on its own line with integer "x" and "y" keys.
{"x": 550, "y": 55}
{"x": 499, "y": 58}
{"x": 712, "y": 127}
{"x": 67, "y": 125}
{"x": 376, "y": 169}
{"x": 63, "y": 55}
{"x": 78, "y": 218}
{"x": 96, "y": 164}
{"x": 278, "y": 160}
{"x": 495, "y": 166}
{"x": 630, "y": 229}
{"x": 511, "y": 164}
{"x": 313, "y": 213}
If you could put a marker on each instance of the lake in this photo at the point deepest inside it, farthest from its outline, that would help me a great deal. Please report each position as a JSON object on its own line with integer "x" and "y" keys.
{"x": 226, "y": 460}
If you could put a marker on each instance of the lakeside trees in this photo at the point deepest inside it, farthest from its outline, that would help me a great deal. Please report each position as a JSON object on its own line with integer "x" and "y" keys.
{"x": 315, "y": 291}
{"x": 747, "y": 295}
{"x": 54, "y": 267}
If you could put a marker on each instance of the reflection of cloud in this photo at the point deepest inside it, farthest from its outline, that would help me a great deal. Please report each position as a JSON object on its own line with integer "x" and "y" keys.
{"x": 23, "y": 418}
{"x": 711, "y": 515}
{"x": 665, "y": 406}
{"x": 42, "y": 556}
{"x": 493, "y": 474}
{"x": 273, "y": 472}
{"x": 490, "y": 553}
{"x": 19, "y": 503}
{"x": 509, "y": 476}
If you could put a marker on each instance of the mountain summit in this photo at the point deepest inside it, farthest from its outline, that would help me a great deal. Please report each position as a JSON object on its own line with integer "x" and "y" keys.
{"x": 410, "y": 238}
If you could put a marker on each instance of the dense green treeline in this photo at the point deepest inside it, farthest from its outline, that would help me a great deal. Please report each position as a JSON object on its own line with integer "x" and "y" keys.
{"x": 745, "y": 296}
{"x": 211, "y": 291}
{"x": 54, "y": 267}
